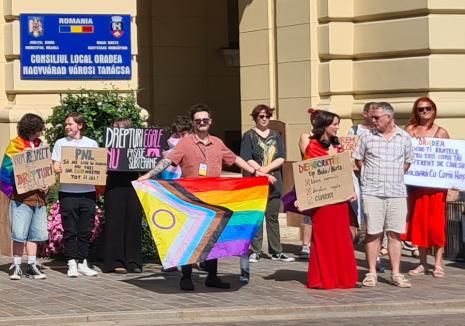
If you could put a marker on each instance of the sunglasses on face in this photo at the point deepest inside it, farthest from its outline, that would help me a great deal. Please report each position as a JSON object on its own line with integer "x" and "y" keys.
{"x": 200, "y": 121}
{"x": 264, "y": 116}
{"x": 377, "y": 117}
{"x": 424, "y": 108}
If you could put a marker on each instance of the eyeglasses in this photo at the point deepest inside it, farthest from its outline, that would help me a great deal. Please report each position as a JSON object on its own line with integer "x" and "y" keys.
{"x": 376, "y": 118}
{"x": 264, "y": 116}
{"x": 200, "y": 121}
{"x": 424, "y": 108}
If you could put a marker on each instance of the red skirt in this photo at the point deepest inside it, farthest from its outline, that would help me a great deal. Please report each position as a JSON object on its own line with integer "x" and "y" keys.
{"x": 332, "y": 259}
{"x": 427, "y": 217}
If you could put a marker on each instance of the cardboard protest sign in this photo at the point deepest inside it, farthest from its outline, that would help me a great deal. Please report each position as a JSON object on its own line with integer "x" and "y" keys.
{"x": 83, "y": 165}
{"x": 323, "y": 180}
{"x": 33, "y": 169}
{"x": 348, "y": 143}
{"x": 439, "y": 163}
{"x": 135, "y": 149}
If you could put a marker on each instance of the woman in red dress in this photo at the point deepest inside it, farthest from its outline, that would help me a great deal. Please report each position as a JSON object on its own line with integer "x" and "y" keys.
{"x": 427, "y": 206}
{"x": 332, "y": 260}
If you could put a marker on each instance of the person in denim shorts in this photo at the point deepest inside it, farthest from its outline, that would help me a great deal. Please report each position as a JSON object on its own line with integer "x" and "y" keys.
{"x": 28, "y": 210}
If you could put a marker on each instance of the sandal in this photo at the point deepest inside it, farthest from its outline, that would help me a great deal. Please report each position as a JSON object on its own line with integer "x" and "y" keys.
{"x": 370, "y": 280}
{"x": 400, "y": 281}
{"x": 438, "y": 272}
{"x": 419, "y": 270}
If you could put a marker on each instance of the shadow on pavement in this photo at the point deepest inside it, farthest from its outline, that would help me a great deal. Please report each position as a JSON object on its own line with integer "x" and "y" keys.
{"x": 168, "y": 283}
{"x": 285, "y": 275}
{"x": 291, "y": 248}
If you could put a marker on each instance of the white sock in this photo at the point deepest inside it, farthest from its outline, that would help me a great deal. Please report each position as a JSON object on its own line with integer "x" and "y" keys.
{"x": 17, "y": 260}
{"x": 31, "y": 260}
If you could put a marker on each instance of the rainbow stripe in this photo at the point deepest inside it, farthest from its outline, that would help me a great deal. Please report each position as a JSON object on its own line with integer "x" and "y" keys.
{"x": 7, "y": 179}
{"x": 76, "y": 28}
{"x": 198, "y": 219}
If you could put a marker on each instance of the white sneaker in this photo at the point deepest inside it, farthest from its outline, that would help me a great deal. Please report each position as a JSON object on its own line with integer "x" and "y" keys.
{"x": 15, "y": 272}
{"x": 305, "y": 252}
{"x": 84, "y": 269}
{"x": 254, "y": 257}
{"x": 72, "y": 268}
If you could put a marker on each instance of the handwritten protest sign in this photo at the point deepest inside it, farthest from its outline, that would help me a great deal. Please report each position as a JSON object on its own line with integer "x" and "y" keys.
{"x": 439, "y": 163}
{"x": 33, "y": 169}
{"x": 84, "y": 165}
{"x": 134, "y": 149}
{"x": 348, "y": 143}
{"x": 323, "y": 180}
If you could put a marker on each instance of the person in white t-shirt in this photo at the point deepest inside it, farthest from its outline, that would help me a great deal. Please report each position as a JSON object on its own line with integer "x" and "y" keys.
{"x": 77, "y": 201}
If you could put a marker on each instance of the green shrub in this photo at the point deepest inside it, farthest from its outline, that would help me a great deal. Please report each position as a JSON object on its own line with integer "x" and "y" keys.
{"x": 99, "y": 108}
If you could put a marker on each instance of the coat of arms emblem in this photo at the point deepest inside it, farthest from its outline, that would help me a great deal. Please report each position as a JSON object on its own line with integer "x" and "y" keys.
{"x": 36, "y": 26}
{"x": 117, "y": 28}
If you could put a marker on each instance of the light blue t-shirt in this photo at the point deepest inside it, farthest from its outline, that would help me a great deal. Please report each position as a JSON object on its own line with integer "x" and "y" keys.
{"x": 56, "y": 156}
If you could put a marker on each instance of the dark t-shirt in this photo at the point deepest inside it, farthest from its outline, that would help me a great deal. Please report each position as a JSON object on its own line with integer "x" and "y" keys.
{"x": 264, "y": 151}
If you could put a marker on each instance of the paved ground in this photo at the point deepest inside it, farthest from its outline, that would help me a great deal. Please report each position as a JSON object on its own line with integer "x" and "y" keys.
{"x": 276, "y": 292}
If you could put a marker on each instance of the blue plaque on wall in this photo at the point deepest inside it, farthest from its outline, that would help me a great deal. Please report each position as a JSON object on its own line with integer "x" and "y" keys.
{"x": 60, "y": 46}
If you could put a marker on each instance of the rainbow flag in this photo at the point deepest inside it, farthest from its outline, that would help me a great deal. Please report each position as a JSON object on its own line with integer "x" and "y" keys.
{"x": 198, "y": 219}
{"x": 7, "y": 179}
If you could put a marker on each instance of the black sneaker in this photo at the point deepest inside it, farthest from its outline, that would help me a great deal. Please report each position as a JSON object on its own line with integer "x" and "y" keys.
{"x": 245, "y": 277}
{"x": 186, "y": 284}
{"x": 202, "y": 266}
{"x": 134, "y": 268}
{"x": 34, "y": 273}
{"x": 216, "y": 282}
{"x": 282, "y": 257}
{"x": 15, "y": 272}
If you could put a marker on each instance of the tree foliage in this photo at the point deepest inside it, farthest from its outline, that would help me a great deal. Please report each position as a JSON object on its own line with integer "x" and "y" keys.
{"x": 99, "y": 108}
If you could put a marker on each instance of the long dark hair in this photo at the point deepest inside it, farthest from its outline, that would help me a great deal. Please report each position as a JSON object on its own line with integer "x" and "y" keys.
{"x": 320, "y": 120}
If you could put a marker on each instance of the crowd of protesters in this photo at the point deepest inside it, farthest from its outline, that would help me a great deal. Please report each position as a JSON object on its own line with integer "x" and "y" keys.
{"x": 382, "y": 207}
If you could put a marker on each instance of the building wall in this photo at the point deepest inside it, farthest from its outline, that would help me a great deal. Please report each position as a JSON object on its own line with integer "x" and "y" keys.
{"x": 339, "y": 54}
{"x": 185, "y": 39}
{"x": 17, "y": 96}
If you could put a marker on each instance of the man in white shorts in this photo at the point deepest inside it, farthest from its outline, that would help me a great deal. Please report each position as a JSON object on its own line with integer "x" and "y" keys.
{"x": 384, "y": 155}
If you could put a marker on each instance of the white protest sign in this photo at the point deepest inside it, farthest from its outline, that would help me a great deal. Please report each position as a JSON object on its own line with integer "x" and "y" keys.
{"x": 439, "y": 163}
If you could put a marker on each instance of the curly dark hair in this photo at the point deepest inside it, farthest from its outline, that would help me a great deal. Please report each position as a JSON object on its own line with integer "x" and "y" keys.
{"x": 181, "y": 123}
{"x": 29, "y": 125}
{"x": 259, "y": 108}
{"x": 199, "y": 107}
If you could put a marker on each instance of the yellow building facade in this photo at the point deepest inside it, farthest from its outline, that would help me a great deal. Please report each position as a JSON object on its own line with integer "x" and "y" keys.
{"x": 290, "y": 54}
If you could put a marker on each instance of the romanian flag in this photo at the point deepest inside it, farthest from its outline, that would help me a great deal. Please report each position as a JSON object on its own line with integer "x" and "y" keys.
{"x": 76, "y": 28}
{"x": 198, "y": 219}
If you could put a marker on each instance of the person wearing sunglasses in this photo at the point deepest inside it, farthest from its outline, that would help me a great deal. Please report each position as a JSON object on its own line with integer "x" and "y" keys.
{"x": 201, "y": 155}
{"x": 426, "y": 227}
{"x": 384, "y": 155}
{"x": 263, "y": 149}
